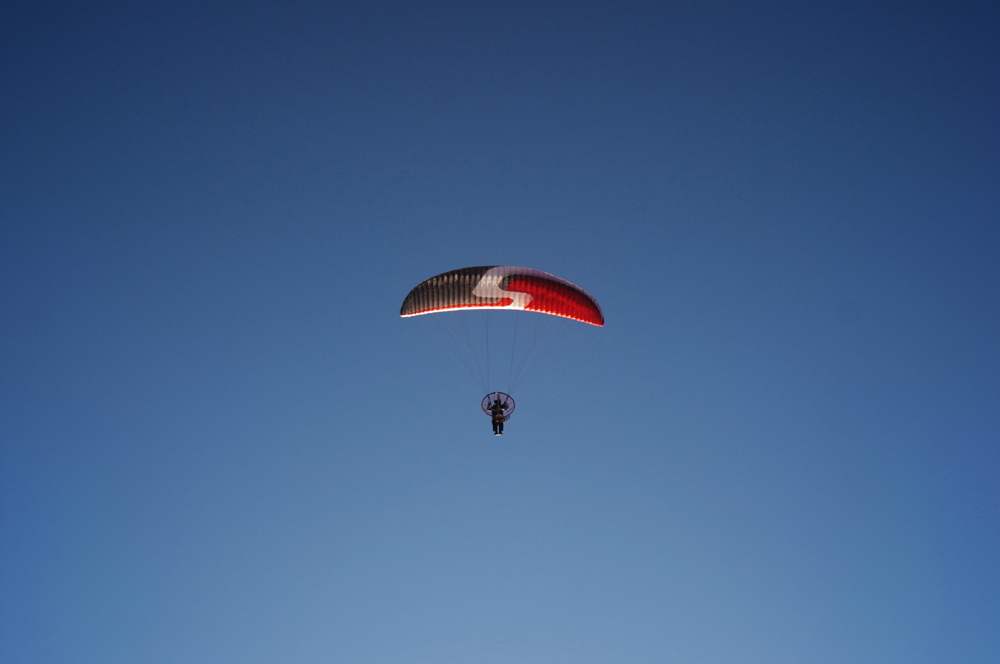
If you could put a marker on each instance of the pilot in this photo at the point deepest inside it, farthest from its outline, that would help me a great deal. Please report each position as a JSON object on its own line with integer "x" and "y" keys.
{"x": 497, "y": 409}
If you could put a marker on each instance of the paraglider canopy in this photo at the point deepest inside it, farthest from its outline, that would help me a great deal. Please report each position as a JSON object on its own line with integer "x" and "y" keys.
{"x": 505, "y": 400}
{"x": 502, "y": 287}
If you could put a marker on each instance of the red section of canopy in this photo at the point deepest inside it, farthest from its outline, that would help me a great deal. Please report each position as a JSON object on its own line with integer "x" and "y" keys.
{"x": 552, "y": 297}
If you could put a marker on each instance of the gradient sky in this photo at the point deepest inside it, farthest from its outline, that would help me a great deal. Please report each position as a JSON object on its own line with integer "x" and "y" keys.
{"x": 219, "y": 442}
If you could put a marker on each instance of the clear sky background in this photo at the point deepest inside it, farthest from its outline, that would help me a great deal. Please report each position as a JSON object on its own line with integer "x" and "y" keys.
{"x": 220, "y": 443}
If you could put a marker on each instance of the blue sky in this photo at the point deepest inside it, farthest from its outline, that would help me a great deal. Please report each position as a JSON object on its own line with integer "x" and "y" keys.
{"x": 219, "y": 442}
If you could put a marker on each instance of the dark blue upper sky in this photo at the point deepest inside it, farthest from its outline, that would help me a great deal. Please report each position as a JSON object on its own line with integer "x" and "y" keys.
{"x": 219, "y": 442}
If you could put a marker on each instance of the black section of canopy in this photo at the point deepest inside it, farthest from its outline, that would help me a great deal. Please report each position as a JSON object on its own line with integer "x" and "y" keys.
{"x": 451, "y": 289}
